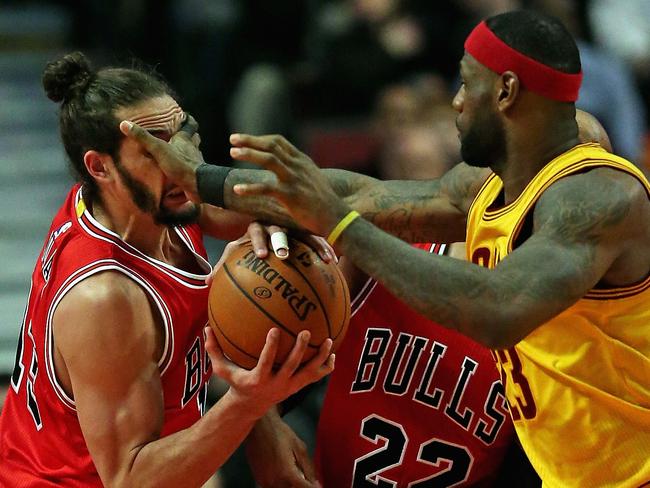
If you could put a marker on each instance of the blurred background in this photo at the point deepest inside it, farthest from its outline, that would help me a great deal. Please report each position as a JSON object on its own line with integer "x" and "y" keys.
{"x": 359, "y": 84}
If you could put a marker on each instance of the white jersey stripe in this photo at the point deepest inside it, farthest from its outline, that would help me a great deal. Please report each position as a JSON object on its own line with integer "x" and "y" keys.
{"x": 81, "y": 274}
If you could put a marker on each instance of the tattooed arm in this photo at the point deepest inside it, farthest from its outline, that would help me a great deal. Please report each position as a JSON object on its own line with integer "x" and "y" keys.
{"x": 414, "y": 211}
{"x": 580, "y": 224}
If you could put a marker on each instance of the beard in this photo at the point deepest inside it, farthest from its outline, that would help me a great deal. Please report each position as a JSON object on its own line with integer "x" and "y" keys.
{"x": 145, "y": 201}
{"x": 484, "y": 143}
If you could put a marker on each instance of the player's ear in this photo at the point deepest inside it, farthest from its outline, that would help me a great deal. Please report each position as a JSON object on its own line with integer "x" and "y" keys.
{"x": 96, "y": 165}
{"x": 508, "y": 90}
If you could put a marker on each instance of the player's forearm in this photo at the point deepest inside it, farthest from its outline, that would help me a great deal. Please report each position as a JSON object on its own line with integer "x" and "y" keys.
{"x": 414, "y": 211}
{"x": 458, "y": 295}
{"x": 190, "y": 457}
{"x": 261, "y": 207}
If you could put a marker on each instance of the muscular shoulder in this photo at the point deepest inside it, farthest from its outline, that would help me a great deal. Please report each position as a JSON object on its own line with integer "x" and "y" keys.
{"x": 593, "y": 204}
{"x": 462, "y": 183}
{"x": 102, "y": 292}
{"x": 105, "y": 313}
{"x": 602, "y": 215}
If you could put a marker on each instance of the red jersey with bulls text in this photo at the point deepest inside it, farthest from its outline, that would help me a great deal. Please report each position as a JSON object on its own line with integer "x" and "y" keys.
{"x": 41, "y": 442}
{"x": 410, "y": 402}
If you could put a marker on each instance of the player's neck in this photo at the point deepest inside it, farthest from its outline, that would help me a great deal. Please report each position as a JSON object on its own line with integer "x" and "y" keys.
{"x": 136, "y": 228}
{"x": 529, "y": 152}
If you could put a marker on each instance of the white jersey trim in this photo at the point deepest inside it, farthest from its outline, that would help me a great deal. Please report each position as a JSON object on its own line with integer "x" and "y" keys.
{"x": 369, "y": 286}
{"x": 166, "y": 268}
{"x": 80, "y": 275}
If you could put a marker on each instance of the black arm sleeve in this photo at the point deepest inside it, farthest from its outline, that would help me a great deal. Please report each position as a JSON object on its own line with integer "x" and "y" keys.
{"x": 210, "y": 180}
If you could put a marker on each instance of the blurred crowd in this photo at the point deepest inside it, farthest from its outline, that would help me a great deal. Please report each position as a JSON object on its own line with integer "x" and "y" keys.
{"x": 365, "y": 84}
{"x": 359, "y": 84}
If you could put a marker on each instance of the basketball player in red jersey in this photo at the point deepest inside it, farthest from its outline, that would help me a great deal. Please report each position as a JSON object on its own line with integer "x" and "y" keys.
{"x": 109, "y": 385}
{"x": 423, "y": 405}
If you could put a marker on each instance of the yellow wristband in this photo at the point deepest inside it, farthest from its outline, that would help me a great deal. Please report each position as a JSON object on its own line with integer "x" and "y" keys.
{"x": 341, "y": 226}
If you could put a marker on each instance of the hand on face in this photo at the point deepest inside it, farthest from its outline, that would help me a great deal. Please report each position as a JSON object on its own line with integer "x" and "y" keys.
{"x": 178, "y": 159}
{"x": 300, "y": 185}
{"x": 262, "y": 387}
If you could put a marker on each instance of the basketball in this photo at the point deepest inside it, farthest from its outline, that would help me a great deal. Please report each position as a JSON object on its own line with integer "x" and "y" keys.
{"x": 250, "y": 295}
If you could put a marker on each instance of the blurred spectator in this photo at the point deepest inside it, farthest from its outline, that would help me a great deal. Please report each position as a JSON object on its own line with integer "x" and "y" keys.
{"x": 352, "y": 49}
{"x": 415, "y": 128}
{"x": 623, "y": 27}
{"x": 608, "y": 89}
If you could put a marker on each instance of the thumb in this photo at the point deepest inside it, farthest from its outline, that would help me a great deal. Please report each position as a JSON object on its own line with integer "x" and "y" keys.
{"x": 134, "y": 131}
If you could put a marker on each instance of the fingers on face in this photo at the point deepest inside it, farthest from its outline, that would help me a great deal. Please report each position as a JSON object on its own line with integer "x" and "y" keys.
{"x": 150, "y": 142}
{"x": 251, "y": 189}
{"x": 190, "y": 126}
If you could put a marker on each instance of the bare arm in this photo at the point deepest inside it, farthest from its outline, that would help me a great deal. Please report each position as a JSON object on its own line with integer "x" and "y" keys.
{"x": 108, "y": 341}
{"x": 416, "y": 211}
{"x": 578, "y": 226}
{"x": 413, "y": 210}
{"x": 583, "y": 225}
{"x": 223, "y": 224}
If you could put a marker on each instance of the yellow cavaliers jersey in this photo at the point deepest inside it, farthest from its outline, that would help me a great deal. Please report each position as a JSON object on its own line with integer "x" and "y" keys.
{"x": 579, "y": 385}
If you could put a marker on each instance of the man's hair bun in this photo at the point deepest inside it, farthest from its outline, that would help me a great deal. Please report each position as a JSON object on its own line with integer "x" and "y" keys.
{"x": 67, "y": 76}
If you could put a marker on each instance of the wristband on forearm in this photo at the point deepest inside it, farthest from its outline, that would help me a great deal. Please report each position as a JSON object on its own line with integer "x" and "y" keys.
{"x": 210, "y": 180}
{"x": 341, "y": 226}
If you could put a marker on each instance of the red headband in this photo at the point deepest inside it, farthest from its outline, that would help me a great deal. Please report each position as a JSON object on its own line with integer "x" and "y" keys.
{"x": 484, "y": 46}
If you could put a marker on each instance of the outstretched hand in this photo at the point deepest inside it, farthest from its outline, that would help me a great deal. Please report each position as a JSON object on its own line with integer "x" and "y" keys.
{"x": 300, "y": 185}
{"x": 179, "y": 158}
{"x": 263, "y": 386}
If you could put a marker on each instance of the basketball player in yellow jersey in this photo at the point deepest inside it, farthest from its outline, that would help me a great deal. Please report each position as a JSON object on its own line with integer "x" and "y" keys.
{"x": 561, "y": 231}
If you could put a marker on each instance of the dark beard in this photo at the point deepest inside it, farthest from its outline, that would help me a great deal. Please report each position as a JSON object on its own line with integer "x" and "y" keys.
{"x": 146, "y": 202}
{"x": 484, "y": 144}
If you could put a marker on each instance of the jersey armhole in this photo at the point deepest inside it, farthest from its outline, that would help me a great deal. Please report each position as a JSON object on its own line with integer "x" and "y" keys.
{"x": 77, "y": 277}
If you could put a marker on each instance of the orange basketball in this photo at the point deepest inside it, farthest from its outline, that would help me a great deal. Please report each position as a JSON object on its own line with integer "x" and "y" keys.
{"x": 249, "y": 296}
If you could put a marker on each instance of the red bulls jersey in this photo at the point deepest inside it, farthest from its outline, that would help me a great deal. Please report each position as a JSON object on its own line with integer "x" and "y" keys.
{"x": 410, "y": 403}
{"x": 41, "y": 442}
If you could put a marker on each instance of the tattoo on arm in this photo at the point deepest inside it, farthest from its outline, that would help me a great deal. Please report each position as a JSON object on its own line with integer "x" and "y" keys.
{"x": 414, "y": 211}
{"x": 262, "y": 208}
{"x": 575, "y": 229}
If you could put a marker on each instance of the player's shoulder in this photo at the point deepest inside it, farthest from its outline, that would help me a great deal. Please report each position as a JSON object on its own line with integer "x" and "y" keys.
{"x": 462, "y": 183}
{"x": 596, "y": 200}
{"x": 106, "y": 287}
{"x": 102, "y": 307}
{"x": 107, "y": 294}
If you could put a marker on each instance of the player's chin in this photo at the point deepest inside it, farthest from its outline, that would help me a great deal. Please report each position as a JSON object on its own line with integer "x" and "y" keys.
{"x": 175, "y": 200}
{"x": 178, "y": 214}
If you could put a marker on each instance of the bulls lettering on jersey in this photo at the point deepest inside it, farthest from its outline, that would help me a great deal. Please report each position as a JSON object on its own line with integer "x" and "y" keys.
{"x": 41, "y": 443}
{"x": 410, "y": 403}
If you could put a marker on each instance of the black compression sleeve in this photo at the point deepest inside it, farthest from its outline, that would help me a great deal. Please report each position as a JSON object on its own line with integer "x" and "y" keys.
{"x": 210, "y": 180}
